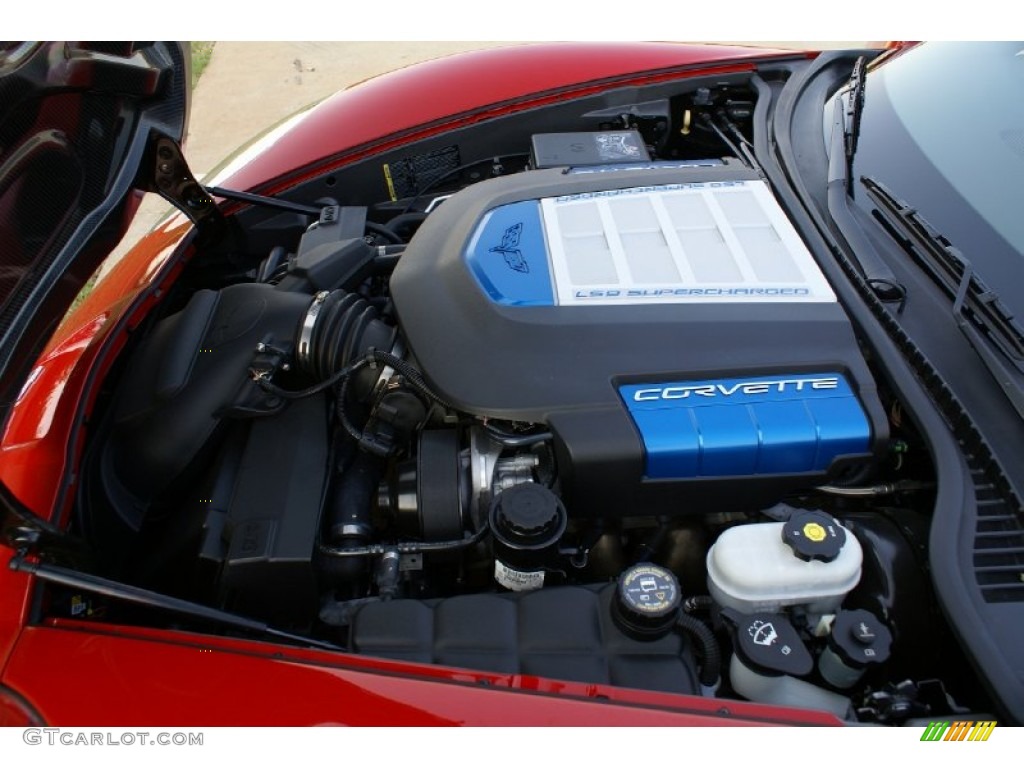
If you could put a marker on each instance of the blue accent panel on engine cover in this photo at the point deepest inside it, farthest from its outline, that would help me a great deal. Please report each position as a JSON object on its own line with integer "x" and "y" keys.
{"x": 508, "y": 256}
{"x": 757, "y": 425}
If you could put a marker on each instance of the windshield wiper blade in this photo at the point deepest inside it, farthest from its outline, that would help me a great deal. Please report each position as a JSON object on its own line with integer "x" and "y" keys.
{"x": 978, "y": 311}
{"x": 851, "y": 118}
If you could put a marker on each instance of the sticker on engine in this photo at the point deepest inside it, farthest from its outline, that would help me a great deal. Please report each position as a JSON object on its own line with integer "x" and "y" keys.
{"x": 707, "y": 242}
{"x": 517, "y": 581}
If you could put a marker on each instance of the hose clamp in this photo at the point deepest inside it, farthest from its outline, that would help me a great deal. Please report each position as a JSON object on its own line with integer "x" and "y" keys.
{"x": 304, "y": 352}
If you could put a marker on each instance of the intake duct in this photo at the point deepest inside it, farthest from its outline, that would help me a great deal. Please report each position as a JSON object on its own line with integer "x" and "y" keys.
{"x": 337, "y": 328}
{"x": 196, "y": 368}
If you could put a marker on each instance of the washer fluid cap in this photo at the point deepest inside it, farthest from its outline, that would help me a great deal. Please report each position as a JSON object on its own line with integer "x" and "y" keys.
{"x": 768, "y": 644}
{"x": 813, "y": 535}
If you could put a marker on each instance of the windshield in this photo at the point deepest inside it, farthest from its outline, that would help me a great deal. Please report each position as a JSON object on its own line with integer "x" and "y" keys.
{"x": 943, "y": 129}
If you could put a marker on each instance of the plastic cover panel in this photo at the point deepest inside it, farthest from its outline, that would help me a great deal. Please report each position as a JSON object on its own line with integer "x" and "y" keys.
{"x": 560, "y": 632}
{"x": 750, "y": 426}
{"x": 701, "y": 242}
{"x": 678, "y": 243}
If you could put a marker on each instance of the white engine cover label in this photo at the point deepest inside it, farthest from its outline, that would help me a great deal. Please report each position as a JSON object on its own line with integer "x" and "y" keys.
{"x": 517, "y": 581}
{"x": 709, "y": 242}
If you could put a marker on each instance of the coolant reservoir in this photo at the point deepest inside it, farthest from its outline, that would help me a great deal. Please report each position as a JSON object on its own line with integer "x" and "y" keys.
{"x": 810, "y": 561}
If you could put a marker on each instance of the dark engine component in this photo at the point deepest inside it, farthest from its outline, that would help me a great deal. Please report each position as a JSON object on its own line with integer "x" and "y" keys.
{"x": 261, "y": 544}
{"x": 566, "y": 633}
{"x": 338, "y": 327}
{"x": 858, "y": 640}
{"x": 551, "y": 150}
{"x": 768, "y": 644}
{"x": 646, "y": 318}
{"x": 527, "y": 522}
{"x": 428, "y": 495}
{"x": 206, "y": 363}
{"x": 172, "y": 397}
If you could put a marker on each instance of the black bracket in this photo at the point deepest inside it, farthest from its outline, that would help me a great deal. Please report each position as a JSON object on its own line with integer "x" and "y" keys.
{"x": 167, "y": 173}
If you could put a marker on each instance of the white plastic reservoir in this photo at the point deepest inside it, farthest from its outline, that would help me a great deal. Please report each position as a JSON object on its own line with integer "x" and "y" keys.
{"x": 751, "y": 569}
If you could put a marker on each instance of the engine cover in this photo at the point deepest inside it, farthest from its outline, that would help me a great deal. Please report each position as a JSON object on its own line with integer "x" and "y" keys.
{"x": 666, "y": 323}
{"x": 563, "y": 633}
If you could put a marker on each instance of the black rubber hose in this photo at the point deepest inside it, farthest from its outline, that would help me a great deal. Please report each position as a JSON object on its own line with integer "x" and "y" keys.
{"x": 698, "y": 603}
{"x": 711, "y": 666}
{"x": 298, "y": 394}
{"x": 346, "y": 327}
{"x": 349, "y": 523}
{"x": 356, "y": 491}
{"x": 402, "y": 220}
{"x": 709, "y": 121}
{"x": 510, "y": 440}
{"x": 384, "y": 231}
{"x": 407, "y": 547}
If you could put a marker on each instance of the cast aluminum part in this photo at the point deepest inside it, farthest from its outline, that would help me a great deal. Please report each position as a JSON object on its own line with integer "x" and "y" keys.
{"x": 490, "y": 474}
{"x": 513, "y": 470}
{"x": 483, "y": 457}
{"x": 355, "y": 530}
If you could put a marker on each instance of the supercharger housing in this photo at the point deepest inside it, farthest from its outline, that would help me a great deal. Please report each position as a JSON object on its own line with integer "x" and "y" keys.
{"x": 663, "y": 320}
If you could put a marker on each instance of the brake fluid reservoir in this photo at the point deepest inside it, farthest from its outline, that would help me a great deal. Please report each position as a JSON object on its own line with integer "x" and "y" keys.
{"x": 810, "y": 561}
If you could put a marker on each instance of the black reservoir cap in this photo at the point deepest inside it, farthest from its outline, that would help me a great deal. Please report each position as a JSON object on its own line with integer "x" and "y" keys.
{"x": 813, "y": 535}
{"x": 647, "y": 601}
{"x": 859, "y": 638}
{"x": 528, "y": 516}
{"x": 768, "y": 644}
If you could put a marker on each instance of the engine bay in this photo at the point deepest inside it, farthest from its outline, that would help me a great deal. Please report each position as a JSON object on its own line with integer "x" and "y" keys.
{"x": 564, "y": 396}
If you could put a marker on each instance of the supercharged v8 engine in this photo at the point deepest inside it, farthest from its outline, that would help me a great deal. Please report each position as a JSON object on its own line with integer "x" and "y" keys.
{"x": 594, "y": 422}
{"x": 646, "y": 318}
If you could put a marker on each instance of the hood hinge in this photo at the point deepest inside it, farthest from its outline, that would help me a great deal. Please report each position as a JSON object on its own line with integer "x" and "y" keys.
{"x": 166, "y": 172}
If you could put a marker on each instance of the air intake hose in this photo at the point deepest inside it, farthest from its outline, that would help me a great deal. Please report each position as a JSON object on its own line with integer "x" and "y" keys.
{"x": 337, "y": 328}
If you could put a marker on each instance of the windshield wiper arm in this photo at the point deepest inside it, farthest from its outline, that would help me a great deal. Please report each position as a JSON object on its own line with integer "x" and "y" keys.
{"x": 851, "y": 118}
{"x": 978, "y": 311}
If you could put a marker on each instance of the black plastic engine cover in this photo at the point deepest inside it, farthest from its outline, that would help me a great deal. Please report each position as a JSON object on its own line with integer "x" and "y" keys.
{"x": 542, "y": 297}
{"x": 565, "y": 633}
{"x": 263, "y": 544}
